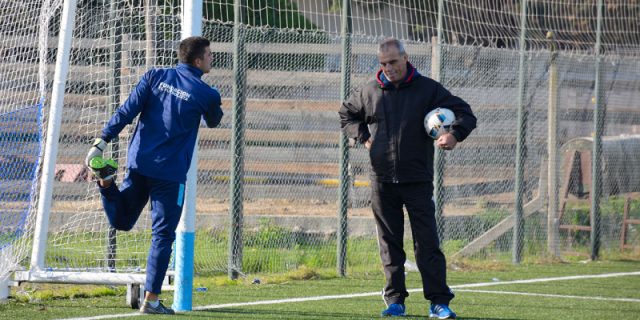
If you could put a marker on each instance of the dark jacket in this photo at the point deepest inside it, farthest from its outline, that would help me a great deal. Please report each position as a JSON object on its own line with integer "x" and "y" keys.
{"x": 401, "y": 150}
{"x": 171, "y": 102}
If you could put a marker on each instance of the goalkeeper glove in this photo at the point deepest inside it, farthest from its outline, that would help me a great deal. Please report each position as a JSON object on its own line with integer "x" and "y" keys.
{"x": 96, "y": 150}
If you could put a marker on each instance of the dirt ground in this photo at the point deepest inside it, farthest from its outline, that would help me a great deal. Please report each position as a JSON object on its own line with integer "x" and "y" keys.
{"x": 287, "y": 207}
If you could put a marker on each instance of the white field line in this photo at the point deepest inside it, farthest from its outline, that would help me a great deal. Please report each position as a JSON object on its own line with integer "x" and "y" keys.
{"x": 369, "y": 294}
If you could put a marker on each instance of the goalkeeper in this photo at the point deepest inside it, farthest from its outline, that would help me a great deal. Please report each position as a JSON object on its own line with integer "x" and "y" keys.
{"x": 170, "y": 103}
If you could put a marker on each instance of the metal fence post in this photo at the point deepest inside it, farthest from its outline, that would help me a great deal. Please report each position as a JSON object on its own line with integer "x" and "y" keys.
{"x": 552, "y": 152}
{"x": 518, "y": 227}
{"x": 114, "y": 102}
{"x": 438, "y": 154}
{"x": 598, "y": 122}
{"x": 345, "y": 180}
{"x": 237, "y": 143}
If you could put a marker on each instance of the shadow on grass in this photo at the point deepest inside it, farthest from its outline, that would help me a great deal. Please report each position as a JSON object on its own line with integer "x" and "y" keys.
{"x": 281, "y": 314}
{"x": 471, "y": 318}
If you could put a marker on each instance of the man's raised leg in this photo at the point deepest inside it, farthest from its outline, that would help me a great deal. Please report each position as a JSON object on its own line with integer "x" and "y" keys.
{"x": 123, "y": 206}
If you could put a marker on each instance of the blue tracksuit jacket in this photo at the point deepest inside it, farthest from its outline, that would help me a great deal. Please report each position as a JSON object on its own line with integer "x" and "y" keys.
{"x": 170, "y": 103}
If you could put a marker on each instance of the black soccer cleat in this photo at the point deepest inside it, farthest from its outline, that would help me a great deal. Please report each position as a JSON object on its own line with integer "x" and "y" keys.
{"x": 103, "y": 169}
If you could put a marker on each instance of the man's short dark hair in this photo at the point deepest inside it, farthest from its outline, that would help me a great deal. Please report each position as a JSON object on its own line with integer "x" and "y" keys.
{"x": 387, "y": 43}
{"x": 192, "y": 48}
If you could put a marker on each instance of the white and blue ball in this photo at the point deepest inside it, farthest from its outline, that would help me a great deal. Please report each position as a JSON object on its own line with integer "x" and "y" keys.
{"x": 438, "y": 122}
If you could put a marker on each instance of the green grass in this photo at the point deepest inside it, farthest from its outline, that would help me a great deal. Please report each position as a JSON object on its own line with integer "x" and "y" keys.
{"x": 38, "y": 301}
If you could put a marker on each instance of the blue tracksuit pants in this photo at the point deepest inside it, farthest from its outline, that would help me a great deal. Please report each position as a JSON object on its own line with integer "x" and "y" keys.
{"x": 123, "y": 207}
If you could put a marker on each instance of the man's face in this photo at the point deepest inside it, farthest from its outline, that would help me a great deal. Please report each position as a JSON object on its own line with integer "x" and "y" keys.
{"x": 204, "y": 63}
{"x": 393, "y": 64}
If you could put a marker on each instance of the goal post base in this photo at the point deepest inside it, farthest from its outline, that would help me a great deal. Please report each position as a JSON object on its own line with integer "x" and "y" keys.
{"x": 135, "y": 295}
{"x": 133, "y": 281}
{"x": 72, "y": 277}
{"x": 81, "y": 277}
{"x": 5, "y": 284}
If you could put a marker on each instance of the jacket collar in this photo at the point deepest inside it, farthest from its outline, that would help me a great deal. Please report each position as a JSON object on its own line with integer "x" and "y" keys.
{"x": 384, "y": 83}
{"x": 191, "y": 69}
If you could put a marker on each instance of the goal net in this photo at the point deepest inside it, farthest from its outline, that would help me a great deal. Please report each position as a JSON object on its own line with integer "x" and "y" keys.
{"x": 24, "y": 92}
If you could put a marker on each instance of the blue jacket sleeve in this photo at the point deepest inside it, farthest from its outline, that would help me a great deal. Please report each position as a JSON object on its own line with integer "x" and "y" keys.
{"x": 125, "y": 114}
{"x": 213, "y": 115}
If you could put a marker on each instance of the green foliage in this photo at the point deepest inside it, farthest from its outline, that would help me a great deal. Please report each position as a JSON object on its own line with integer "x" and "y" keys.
{"x": 304, "y": 273}
{"x": 363, "y": 255}
{"x": 269, "y": 235}
{"x": 614, "y": 207}
{"x": 213, "y": 235}
{"x": 611, "y": 212}
{"x": 28, "y": 293}
{"x": 270, "y": 248}
{"x": 336, "y": 6}
{"x": 224, "y": 281}
{"x": 492, "y": 216}
{"x": 258, "y": 260}
{"x": 453, "y": 246}
{"x": 273, "y": 248}
{"x": 317, "y": 256}
{"x": 301, "y": 273}
{"x": 7, "y": 238}
{"x": 609, "y": 207}
{"x": 294, "y": 61}
{"x": 579, "y": 216}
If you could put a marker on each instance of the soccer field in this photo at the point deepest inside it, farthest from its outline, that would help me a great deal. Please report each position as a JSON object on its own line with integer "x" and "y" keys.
{"x": 537, "y": 210}
{"x": 576, "y": 290}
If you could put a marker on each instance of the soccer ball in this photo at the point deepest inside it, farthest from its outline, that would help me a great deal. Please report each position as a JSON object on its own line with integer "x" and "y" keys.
{"x": 438, "y": 121}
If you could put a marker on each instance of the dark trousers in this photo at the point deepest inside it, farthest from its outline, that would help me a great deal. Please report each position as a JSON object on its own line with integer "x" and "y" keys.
{"x": 123, "y": 207}
{"x": 387, "y": 200}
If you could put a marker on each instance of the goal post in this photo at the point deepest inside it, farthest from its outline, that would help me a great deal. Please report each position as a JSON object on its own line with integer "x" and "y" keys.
{"x": 185, "y": 234}
{"x": 53, "y": 133}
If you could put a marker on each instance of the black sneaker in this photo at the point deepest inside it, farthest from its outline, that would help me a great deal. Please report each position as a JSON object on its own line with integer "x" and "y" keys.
{"x": 160, "y": 309}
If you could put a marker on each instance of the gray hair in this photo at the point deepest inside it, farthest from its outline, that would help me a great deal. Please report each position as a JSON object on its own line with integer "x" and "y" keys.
{"x": 391, "y": 42}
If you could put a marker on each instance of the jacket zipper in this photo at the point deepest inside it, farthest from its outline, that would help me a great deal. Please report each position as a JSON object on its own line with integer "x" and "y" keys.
{"x": 395, "y": 139}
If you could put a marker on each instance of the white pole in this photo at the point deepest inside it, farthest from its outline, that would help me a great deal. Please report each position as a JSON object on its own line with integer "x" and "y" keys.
{"x": 185, "y": 234}
{"x": 53, "y": 133}
{"x": 4, "y": 289}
